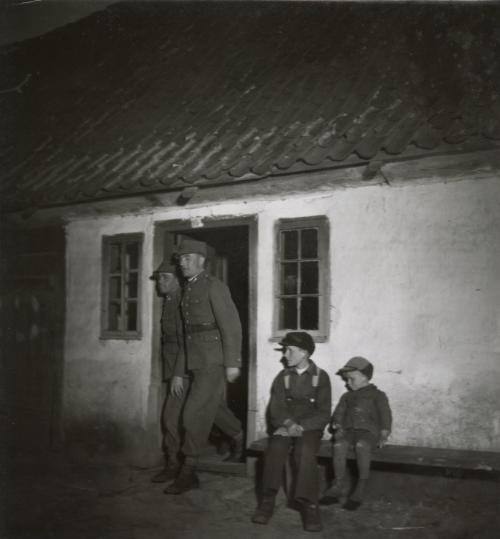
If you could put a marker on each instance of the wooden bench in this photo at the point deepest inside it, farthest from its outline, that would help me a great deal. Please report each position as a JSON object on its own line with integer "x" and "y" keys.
{"x": 487, "y": 461}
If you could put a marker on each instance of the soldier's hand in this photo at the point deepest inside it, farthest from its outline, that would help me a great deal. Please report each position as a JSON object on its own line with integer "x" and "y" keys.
{"x": 177, "y": 387}
{"x": 232, "y": 373}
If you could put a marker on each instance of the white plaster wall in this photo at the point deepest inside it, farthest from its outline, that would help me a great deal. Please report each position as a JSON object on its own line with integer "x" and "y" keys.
{"x": 415, "y": 276}
{"x": 105, "y": 380}
{"x": 415, "y": 289}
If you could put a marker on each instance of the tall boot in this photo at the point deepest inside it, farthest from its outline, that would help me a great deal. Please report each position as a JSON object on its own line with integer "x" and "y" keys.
{"x": 169, "y": 472}
{"x": 311, "y": 518}
{"x": 265, "y": 510}
{"x": 237, "y": 449}
{"x": 186, "y": 480}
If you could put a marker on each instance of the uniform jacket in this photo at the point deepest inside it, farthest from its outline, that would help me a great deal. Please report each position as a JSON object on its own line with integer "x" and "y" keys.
{"x": 310, "y": 415}
{"x": 365, "y": 409}
{"x": 211, "y": 322}
{"x": 172, "y": 336}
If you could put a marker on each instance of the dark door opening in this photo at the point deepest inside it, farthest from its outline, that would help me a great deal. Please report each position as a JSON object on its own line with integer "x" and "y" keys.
{"x": 32, "y": 306}
{"x": 228, "y": 260}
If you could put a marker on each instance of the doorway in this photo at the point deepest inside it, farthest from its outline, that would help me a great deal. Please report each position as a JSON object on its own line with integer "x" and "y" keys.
{"x": 32, "y": 310}
{"x": 231, "y": 258}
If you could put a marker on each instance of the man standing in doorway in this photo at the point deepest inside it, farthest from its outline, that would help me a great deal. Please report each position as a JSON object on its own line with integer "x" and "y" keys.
{"x": 213, "y": 339}
{"x": 174, "y": 368}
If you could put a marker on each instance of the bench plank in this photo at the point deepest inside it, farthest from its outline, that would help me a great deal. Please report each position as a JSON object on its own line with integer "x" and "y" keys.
{"x": 419, "y": 456}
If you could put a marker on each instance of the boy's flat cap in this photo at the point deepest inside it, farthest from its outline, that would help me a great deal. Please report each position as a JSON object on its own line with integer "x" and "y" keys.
{"x": 300, "y": 339}
{"x": 357, "y": 363}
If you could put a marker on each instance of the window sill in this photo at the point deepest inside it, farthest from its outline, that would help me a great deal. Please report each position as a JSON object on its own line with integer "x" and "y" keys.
{"x": 110, "y": 335}
{"x": 316, "y": 338}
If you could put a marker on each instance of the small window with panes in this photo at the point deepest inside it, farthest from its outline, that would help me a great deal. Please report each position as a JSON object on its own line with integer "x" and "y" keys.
{"x": 302, "y": 277}
{"x": 121, "y": 286}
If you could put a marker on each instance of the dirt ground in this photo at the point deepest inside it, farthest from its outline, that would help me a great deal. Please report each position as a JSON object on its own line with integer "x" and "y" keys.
{"x": 63, "y": 501}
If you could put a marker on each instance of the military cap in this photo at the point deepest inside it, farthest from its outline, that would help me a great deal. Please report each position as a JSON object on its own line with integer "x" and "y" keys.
{"x": 189, "y": 246}
{"x": 164, "y": 267}
{"x": 300, "y": 339}
{"x": 357, "y": 363}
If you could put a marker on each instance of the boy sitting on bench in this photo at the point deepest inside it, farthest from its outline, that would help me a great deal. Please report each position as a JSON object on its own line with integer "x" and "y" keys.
{"x": 362, "y": 420}
{"x": 299, "y": 410}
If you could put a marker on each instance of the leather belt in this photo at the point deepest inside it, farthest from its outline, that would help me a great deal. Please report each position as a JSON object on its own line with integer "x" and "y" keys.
{"x": 198, "y": 328}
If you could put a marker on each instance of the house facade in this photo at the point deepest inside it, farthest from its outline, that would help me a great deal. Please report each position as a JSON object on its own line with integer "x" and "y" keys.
{"x": 364, "y": 216}
{"x": 413, "y": 286}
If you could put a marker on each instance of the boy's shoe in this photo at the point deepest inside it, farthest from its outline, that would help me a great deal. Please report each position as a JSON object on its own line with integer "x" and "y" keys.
{"x": 264, "y": 511}
{"x": 186, "y": 480}
{"x": 167, "y": 474}
{"x": 311, "y": 518}
{"x": 352, "y": 505}
{"x": 356, "y": 498}
{"x": 359, "y": 491}
{"x": 328, "y": 500}
{"x": 333, "y": 494}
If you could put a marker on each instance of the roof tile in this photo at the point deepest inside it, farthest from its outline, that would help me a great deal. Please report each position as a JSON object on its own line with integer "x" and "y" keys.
{"x": 168, "y": 95}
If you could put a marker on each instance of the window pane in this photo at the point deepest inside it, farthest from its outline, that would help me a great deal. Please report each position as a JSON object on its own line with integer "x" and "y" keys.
{"x": 114, "y": 317}
{"x": 132, "y": 255}
{"x": 309, "y": 314}
{"x": 131, "y": 316}
{"x": 289, "y": 244}
{"x": 289, "y": 278}
{"x": 288, "y": 313}
{"x": 309, "y": 243}
{"x": 115, "y": 288}
{"x": 115, "y": 263}
{"x": 121, "y": 264}
{"x": 132, "y": 285}
{"x": 309, "y": 276}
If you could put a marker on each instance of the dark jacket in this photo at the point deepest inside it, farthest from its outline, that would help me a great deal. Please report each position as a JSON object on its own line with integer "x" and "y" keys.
{"x": 365, "y": 409}
{"x": 310, "y": 415}
{"x": 172, "y": 337}
{"x": 211, "y": 322}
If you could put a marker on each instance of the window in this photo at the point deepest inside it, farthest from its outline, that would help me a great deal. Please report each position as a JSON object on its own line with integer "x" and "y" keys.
{"x": 302, "y": 284}
{"x": 121, "y": 300}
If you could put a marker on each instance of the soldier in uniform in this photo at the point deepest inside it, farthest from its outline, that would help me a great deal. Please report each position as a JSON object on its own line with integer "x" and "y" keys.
{"x": 213, "y": 338}
{"x": 174, "y": 369}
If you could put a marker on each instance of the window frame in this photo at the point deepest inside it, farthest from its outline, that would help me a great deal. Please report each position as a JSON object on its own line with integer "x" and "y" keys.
{"x": 121, "y": 334}
{"x": 322, "y": 224}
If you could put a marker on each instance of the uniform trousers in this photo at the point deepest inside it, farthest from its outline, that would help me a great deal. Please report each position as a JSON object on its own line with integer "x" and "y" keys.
{"x": 305, "y": 448}
{"x": 171, "y": 421}
{"x": 206, "y": 405}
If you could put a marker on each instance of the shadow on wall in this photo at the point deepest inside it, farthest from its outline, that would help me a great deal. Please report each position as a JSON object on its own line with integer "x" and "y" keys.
{"x": 98, "y": 439}
{"x": 93, "y": 439}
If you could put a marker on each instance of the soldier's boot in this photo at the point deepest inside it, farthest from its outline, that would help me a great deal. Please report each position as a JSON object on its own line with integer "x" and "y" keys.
{"x": 168, "y": 473}
{"x": 264, "y": 511}
{"x": 237, "y": 449}
{"x": 311, "y": 517}
{"x": 186, "y": 480}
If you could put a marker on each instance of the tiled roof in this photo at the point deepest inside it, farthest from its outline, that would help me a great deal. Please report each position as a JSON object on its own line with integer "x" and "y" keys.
{"x": 150, "y": 97}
